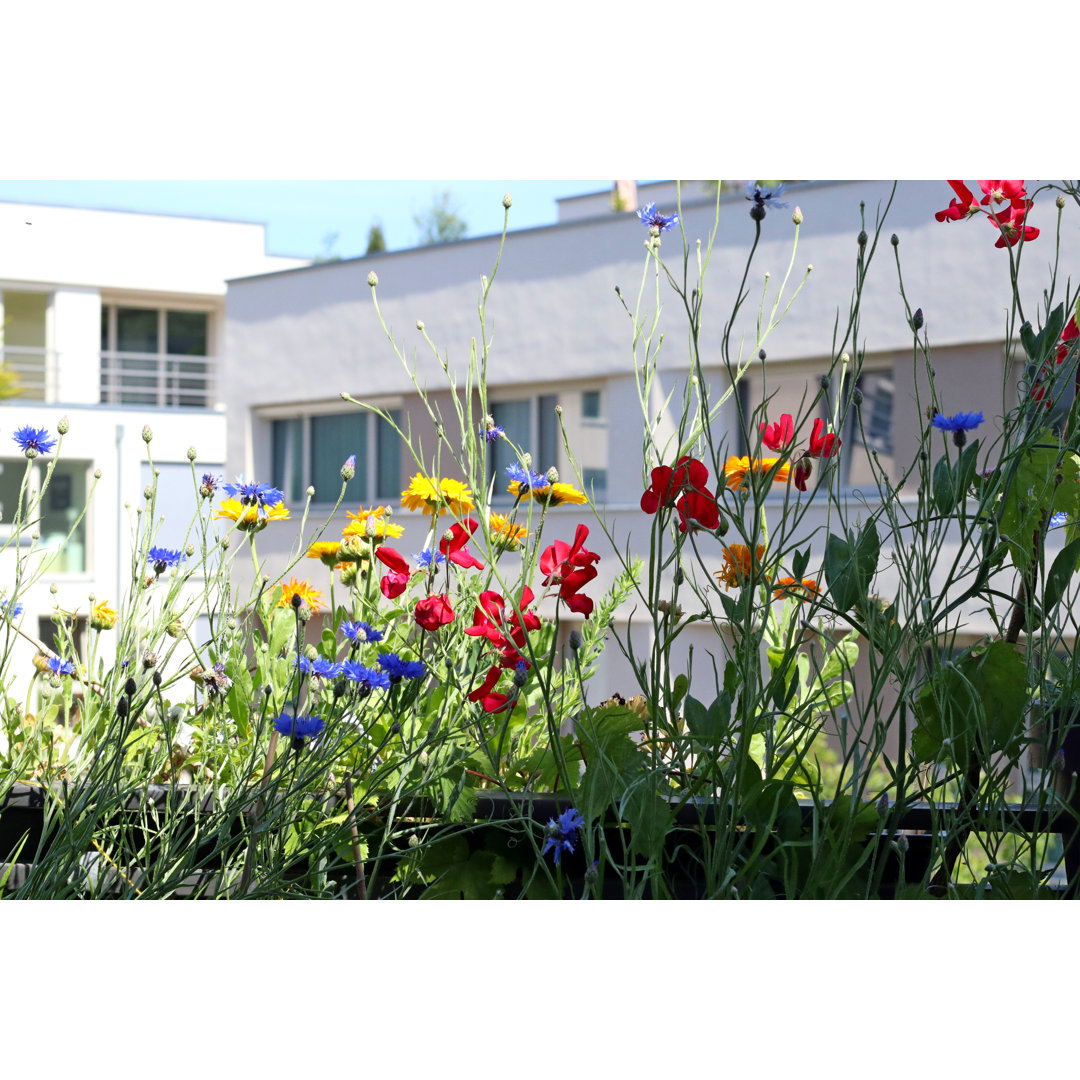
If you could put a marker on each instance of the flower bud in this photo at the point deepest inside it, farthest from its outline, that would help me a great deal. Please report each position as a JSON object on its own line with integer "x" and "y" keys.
{"x": 149, "y": 660}
{"x": 856, "y": 397}
{"x": 348, "y": 470}
{"x": 373, "y": 279}
{"x": 175, "y": 628}
{"x": 303, "y": 612}
{"x": 148, "y": 493}
{"x": 192, "y": 453}
{"x": 552, "y": 475}
{"x": 225, "y": 542}
{"x": 508, "y": 202}
{"x": 420, "y": 325}
{"x": 901, "y": 844}
{"x": 861, "y": 238}
{"x": 156, "y": 678}
{"x": 97, "y": 474}
{"x": 521, "y": 676}
{"x": 761, "y": 355}
{"x": 1059, "y": 202}
{"x": 894, "y": 240}
{"x": 917, "y": 319}
{"x": 575, "y": 641}
{"x": 757, "y": 212}
{"x": 64, "y": 426}
{"x": 147, "y": 433}
{"x": 823, "y": 382}
{"x": 796, "y": 216}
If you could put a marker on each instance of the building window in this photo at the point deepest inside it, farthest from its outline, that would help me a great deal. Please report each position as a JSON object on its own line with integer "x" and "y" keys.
{"x": 874, "y": 435}
{"x": 530, "y": 423}
{"x": 310, "y": 450}
{"x": 24, "y": 350}
{"x": 595, "y": 483}
{"x": 590, "y": 404}
{"x": 152, "y": 356}
{"x": 56, "y": 517}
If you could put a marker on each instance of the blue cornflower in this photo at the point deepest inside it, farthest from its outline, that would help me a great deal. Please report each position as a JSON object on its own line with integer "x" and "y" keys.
{"x": 209, "y": 485}
{"x": 302, "y": 663}
{"x": 325, "y": 669}
{"x": 1059, "y": 519}
{"x": 12, "y": 612}
{"x": 962, "y": 421}
{"x": 368, "y": 678}
{"x": 354, "y": 631}
{"x": 261, "y": 496}
{"x": 526, "y": 476}
{"x": 562, "y": 834}
{"x": 33, "y": 441}
{"x": 60, "y": 667}
{"x": 652, "y": 217}
{"x": 764, "y": 198}
{"x": 299, "y": 728}
{"x": 398, "y": 669}
{"x": 492, "y": 432}
{"x": 425, "y": 558}
{"x": 162, "y": 558}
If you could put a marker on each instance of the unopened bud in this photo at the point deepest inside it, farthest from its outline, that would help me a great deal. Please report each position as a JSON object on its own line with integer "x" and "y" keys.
{"x": 64, "y": 426}
{"x": 192, "y": 453}
{"x": 148, "y": 493}
{"x": 149, "y": 660}
{"x": 575, "y": 641}
{"x": 761, "y": 355}
{"x": 552, "y": 475}
{"x": 373, "y": 279}
{"x": 521, "y": 676}
{"x": 558, "y": 410}
{"x": 856, "y": 397}
{"x": 861, "y": 238}
{"x": 917, "y": 319}
{"x": 796, "y": 216}
{"x": 823, "y": 382}
{"x": 901, "y": 843}
{"x": 310, "y": 493}
{"x": 147, "y": 433}
{"x": 1059, "y": 202}
{"x": 508, "y": 202}
{"x": 348, "y": 470}
{"x": 97, "y": 474}
{"x": 894, "y": 240}
{"x": 420, "y": 325}
{"x": 175, "y": 628}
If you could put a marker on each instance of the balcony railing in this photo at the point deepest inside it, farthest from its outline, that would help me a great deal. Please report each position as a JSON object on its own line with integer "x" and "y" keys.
{"x": 35, "y": 370}
{"x": 129, "y": 378}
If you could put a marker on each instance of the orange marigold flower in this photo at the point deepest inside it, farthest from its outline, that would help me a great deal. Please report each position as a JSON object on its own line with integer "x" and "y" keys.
{"x": 737, "y": 468}
{"x": 803, "y": 590}
{"x": 507, "y": 533}
{"x": 311, "y": 597}
{"x": 103, "y": 617}
{"x": 739, "y": 565}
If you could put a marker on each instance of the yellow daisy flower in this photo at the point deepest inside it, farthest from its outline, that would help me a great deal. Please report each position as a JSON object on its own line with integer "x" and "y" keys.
{"x": 737, "y": 468}
{"x": 738, "y": 565}
{"x": 103, "y": 617}
{"x": 423, "y": 494}
{"x": 247, "y": 517}
{"x": 506, "y": 533}
{"x": 373, "y": 520}
{"x": 558, "y": 493}
{"x": 327, "y": 550}
{"x": 311, "y": 597}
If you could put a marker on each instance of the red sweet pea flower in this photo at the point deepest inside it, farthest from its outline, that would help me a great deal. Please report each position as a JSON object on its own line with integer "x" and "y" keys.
{"x": 698, "y": 510}
{"x": 822, "y": 445}
{"x": 802, "y": 472}
{"x": 780, "y": 435}
{"x": 1070, "y": 333}
{"x": 393, "y": 584}
{"x": 1010, "y": 223}
{"x": 489, "y": 621}
{"x": 999, "y": 191}
{"x": 668, "y": 483}
{"x": 571, "y": 568}
{"x": 491, "y": 702}
{"x": 958, "y": 210}
{"x": 434, "y": 611}
{"x": 452, "y": 545}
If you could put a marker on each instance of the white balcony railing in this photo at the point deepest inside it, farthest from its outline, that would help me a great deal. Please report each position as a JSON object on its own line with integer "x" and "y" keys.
{"x": 129, "y": 378}
{"x": 35, "y": 370}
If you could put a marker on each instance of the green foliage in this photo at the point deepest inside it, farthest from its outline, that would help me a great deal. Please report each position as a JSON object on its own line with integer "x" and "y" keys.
{"x": 441, "y": 223}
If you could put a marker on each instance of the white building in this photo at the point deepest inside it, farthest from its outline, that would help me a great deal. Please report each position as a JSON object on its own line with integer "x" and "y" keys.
{"x": 559, "y": 334}
{"x": 114, "y": 320}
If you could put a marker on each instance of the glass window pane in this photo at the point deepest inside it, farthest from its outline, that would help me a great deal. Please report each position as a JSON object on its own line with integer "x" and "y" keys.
{"x": 104, "y": 328}
{"x": 590, "y": 404}
{"x": 185, "y": 332}
{"x": 287, "y": 453}
{"x": 515, "y": 418}
{"x": 548, "y": 441}
{"x": 24, "y": 319}
{"x": 333, "y": 439}
{"x": 595, "y": 483}
{"x": 62, "y": 503}
{"x": 136, "y": 330}
{"x": 388, "y": 482}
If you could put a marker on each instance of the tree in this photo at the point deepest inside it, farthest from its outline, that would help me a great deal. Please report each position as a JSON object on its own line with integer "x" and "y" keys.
{"x": 329, "y": 243}
{"x": 376, "y": 242}
{"x": 441, "y": 223}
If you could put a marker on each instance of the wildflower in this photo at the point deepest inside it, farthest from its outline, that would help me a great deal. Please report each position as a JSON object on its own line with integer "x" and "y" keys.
{"x": 348, "y": 470}
{"x": 698, "y": 510}
{"x": 738, "y": 568}
{"x": 763, "y": 198}
{"x": 780, "y": 435}
{"x": 11, "y": 611}
{"x": 490, "y": 700}
{"x": 397, "y": 669}
{"x": 523, "y": 481}
{"x": 355, "y": 630}
{"x": 433, "y": 611}
{"x": 367, "y": 679}
{"x": 555, "y": 494}
{"x": 424, "y": 494}
{"x": 216, "y": 680}
{"x": 959, "y": 422}
{"x": 329, "y": 551}
{"x": 965, "y": 208}
{"x": 489, "y": 621}
{"x": 161, "y": 558}
{"x": 571, "y": 567}
{"x": 393, "y": 584}
{"x": 60, "y": 667}
{"x": 33, "y": 441}
{"x": 325, "y": 669}
{"x": 1059, "y": 519}
{"x": 738, "y": 468}
{"x": 668, "y": 483}
{"x": 454, "y": 544}
{"x": 209, "y": 485}
{"x": 803, "y": 590}
{"x": 299, "y": 728}
{"x": 1011, "y": 224}
{"x": 372, "y": 524}
{"x": 1000, "y": 191}
{"x": 491, "y": 431}
{"x": 507, "y": 535}
{"x": 563, "y": 834}
{"x": 103, "y": 617}
{"x": 650, "y": 216}
{"x": 259, "y": 496}
{"x": 249, "y": 518}
{"x": 801, "y": 473}
{"x": 303, "y": 590}
{"x": 822, "y": 445}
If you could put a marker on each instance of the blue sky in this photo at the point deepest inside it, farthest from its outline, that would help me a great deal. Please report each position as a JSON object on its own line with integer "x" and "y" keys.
{"x": 302, "y": 215}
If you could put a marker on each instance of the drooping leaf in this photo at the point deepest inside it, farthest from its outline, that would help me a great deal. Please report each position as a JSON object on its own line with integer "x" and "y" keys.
{"x": 850, "y": 567}
{"x": 1061, "y": 572}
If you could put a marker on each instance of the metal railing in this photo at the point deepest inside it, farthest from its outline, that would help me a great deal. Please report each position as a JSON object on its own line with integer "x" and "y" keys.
{"x": 34, "y": 369}
{"x": 129, "y": 378}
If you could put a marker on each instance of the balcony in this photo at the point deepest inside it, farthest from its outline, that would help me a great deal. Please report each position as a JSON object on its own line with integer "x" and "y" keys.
{"x": 34, "y": 369}
{"x": 162, "y": 379}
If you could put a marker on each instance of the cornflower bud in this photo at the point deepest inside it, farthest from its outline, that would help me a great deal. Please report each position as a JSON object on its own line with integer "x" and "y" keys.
{"x": 761, "y": 355}
{"x": 552, "y": 475}
{"x": 856, "y": 397}
{"x": 894, "y": 240}
{"x": 1059, "y": 202}
{"x": 189, "y": 550}
{"x": 796, "y": 216}
{"x": 148, "y": 493}
{"x": 373, "y": 279}
{"x": 64, "y": 426}
{"x": 149, "y": 660}
{"x": 508, "y": 202}
{"x": 97, "y": 474}
{"x": 575, "y": 641}
{"x": 420, "y": 325}
{"x": 861, "y": 238}
{"x": 521, "y": 676}
{"x": 192, "y": 453}
{"x": 348, "y": 470}
{"x": 147, "y": 433}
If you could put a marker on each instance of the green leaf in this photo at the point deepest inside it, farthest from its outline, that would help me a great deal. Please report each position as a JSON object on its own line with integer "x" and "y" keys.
{"x": 944, "y": 495}
{"x": 678, "y": 691}
{"x": 1029, "y": 341}
{"x": 648, "y": 814}
{"x": 1036, "y": 494}
{"x": 842, "y": 657}
{"x": 708, "y": 726}
{"x": 731, "y": 609}
{"x": 1062, "y": 570}
{"x": 799, "y": 562}
{"x": 850, "y": 568}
